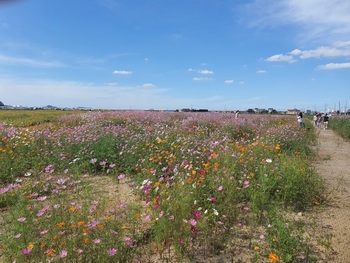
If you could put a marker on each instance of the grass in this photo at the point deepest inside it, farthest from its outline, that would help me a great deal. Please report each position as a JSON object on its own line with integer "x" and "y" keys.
{"x": 204, "y": 183}
{"x": 341, "y": 125}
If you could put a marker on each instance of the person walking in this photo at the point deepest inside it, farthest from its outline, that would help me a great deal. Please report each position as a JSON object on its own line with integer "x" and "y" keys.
{"x": 300, "y": 119}
{"x": 315, "y": 120}
{"x": 325, "y": 121}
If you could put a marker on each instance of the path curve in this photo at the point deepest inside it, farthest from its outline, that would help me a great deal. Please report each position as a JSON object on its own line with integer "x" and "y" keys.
{"x": 333, "y": 164}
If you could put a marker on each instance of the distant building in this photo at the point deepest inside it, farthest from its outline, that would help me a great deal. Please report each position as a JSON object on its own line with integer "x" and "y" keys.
{"x": 292, "y": 111}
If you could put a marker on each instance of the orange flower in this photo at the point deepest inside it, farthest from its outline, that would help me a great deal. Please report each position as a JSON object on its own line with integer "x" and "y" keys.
{"x": 138, "y": 216}
{"x": 50, "y": 252}
{"x": 216, "y": 165}
{"x": 81, "y": 223}
{"x": 86, "y": 240}
{"x": 60, "y": 224}
{"x": 273, "y": 257}
{"x": 73, "y": 208}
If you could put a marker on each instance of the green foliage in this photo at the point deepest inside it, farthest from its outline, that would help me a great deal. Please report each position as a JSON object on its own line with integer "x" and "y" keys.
{"x": 196, "y": 178}
{"x": 341, "y": 126}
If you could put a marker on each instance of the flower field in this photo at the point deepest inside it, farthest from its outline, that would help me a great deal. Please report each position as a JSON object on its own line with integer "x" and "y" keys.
{"x": 187, "y": 187}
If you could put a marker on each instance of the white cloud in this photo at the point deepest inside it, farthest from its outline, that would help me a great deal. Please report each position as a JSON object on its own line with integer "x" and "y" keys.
{"x": 338, "y": 49}
{"x": 205, "y": 72}
{"x": 201, "y": 71}
{"x": 23, "y": 61}
{"x": 229, "y": 81}
{"x": 201, "y": 78}
{"x": 332, "y": 66}
{"x": 148, "y": 85}
{"x": 122, "y": 72}
{"x": 317, "y": 19}
{"x": 280, "y": 58}
{"x": 261, "y": 71}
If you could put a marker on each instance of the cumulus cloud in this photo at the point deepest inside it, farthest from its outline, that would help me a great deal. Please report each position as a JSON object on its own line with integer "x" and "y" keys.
{"x": 332, "y": 66}
{"x": 201, "y": 71}
{"x": 339, "y": 49}
{"x": 324, "y": 51}
{"x": 122, "y": 72}
{"x": 280, "y": 58}
{"x": 261, "y": 71}
{"x": 201, "y": 78}
{"x": 205, "y": 72}
{"x": 229, "y": 81}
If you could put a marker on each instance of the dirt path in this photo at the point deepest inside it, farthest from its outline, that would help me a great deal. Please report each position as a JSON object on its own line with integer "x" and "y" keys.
{"x": 334, "y": 166}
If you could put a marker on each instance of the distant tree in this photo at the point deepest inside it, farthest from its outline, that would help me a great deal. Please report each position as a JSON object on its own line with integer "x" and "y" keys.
{"x": 1, "y": 104}
{"x": 250, "y": 111}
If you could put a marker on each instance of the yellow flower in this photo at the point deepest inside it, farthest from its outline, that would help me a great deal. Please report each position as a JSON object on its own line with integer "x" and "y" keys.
{"x": 30, "y": 246}
{"x": 256, "y": 248}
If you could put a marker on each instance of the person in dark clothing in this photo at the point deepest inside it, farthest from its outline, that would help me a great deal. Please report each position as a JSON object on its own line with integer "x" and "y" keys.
{"x": 325, "y": 121}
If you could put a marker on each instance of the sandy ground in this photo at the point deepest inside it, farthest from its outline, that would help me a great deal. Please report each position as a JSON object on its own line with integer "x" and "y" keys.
{"x": 333, "y": 164}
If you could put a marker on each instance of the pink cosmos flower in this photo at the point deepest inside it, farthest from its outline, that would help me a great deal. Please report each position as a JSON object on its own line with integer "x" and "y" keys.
{"x": 44, "y": 232}
{"x": 246, "y": 184}
{"x": 21, "y": 219}
{"x": 112, "y": 252}
{"x": 148, "y": 218}
{"x": 220, "y": 188}
{"x": 121, "y": 177}
{"x": 192, "y": 222}
{"x": 97, "y": 241}
{"x": 197, "y": 214}
{"x": 63, "y": 253}
{"x": 26, "y": 251}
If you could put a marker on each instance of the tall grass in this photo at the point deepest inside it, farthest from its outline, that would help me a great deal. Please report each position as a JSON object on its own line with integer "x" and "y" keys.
{"x": 341, "y": 125}
{"x": 195, "y": 185}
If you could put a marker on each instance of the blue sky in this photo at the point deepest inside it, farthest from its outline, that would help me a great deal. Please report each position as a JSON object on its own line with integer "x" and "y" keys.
{"x": 165, "y": 54}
